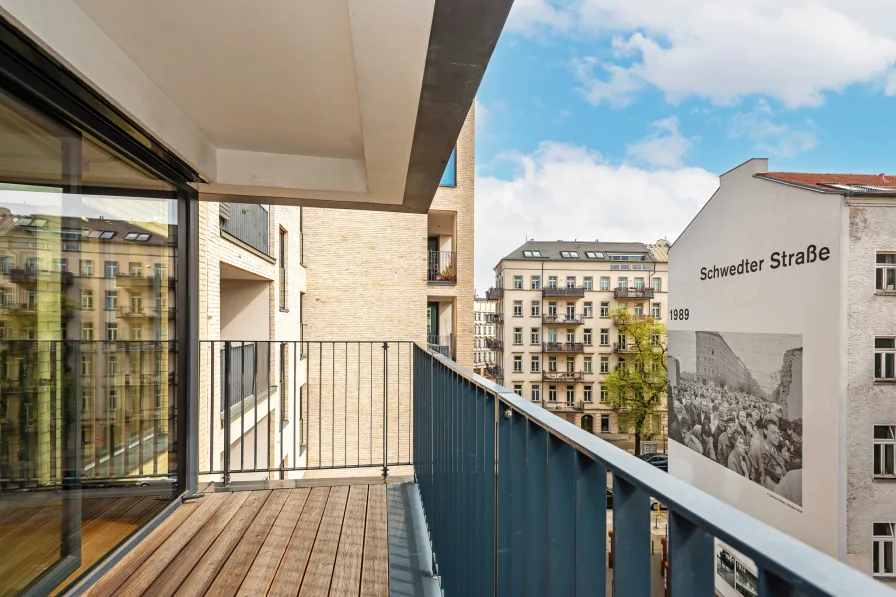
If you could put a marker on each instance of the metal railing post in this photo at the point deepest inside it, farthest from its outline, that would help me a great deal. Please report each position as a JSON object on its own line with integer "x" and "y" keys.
{"x": 225, "y": 415}
{"x": 385, "y": 410}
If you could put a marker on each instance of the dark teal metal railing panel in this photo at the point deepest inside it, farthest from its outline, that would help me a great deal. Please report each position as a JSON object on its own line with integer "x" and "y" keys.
{"x": 515, "y": 499}
{"x": 250, "y": 223}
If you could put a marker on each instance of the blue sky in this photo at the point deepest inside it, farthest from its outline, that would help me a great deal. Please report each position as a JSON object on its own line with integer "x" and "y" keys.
{"x": 612, "y": 119}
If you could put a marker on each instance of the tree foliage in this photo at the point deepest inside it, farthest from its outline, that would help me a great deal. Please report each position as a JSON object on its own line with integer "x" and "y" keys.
{"x": 637, "y": 389}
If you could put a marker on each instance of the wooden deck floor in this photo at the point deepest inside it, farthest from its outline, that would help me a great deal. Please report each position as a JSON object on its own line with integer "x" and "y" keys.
{"x": 307, "y": 541}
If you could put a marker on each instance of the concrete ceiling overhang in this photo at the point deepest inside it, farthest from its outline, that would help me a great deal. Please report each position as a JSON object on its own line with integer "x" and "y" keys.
{"x": 335, "y": 103}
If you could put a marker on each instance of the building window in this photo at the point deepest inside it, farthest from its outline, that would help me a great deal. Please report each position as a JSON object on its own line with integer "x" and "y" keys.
{"x": 639, "y": 309}
{"x": 587, "y": 365}
{"x": 586, "y": 337}
{"x": 113, "y": 400}
{"x": 536, "y": 393}
{"x": 552, "y": 336}
{"x": 6, "y": 264}
{"x": 535, "y": 283}
{"x": 517, "y": 308}
{"x": 517, "y": 335}
{"x": 6, "y": 297}
{"x": 657, "y": 284}
{"x": 604, "y": 368}
{"x": 886, "y": 271}
{"x": 570, "y": 311}
{"x": 639, "y": 283}
{"x": 605, "y": 337}
{"x": 655, "y": 310}
{"x": 605, "y": 423}
{"x": 570, "y": 281}
{"x": 536, "y": 364}
{"x": 535, "y": 335}
{"x": 883, "y": 549}
{"x": 111, "y": 332}
{"x": 570, "y": 395}
{"x": 570, "y": 336}
{"x": 552, "y": 364}
{"x": 589, "y": 306}
{"x": 87, "y": 299}
{"x": 111, "y": 299}
{"x": 605, "y": 283}
{"x": 552, "y": 393}
{"x": 111, "y": 269}
{"x": 552, "y": 309}
{"x": 113, "y": 365}
{"x": 517, "y": 282}
{"x": 605, "y": 310}
{"x": 884, "y": 355}
{"x": 589, "y": 283}
{"x": 552, "y": 281}
{"x": 86, "y": 268}
{"x": 87, "y": 331}
{"x": 517, "y": 388}
{"x": 587, "y": 393}
{"x": 284, "y": 292}
{"x": 536, "y": 308}
{"x": 623, "y": 283}
{"x": 570, "y": 364}
{"x": 884, "y": 444}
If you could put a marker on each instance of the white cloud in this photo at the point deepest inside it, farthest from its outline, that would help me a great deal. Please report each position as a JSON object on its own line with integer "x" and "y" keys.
{"x": 664, "y": 146}
{"x": 482, "y": 115}
{"x": 566, "y": 192}
{"x": 773, "y": 138}
{"x": 722, "y": 50}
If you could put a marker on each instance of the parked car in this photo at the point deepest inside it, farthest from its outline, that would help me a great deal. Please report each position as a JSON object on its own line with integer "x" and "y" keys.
{"x": 660, "y": 461}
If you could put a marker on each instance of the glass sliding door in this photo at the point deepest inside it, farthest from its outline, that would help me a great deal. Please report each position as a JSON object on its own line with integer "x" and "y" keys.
{"x": 89, "y": 255}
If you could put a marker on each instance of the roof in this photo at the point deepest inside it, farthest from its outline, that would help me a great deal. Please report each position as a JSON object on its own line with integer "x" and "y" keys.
{"x": 854, "y": 184}
{"x": 550, "y": 250}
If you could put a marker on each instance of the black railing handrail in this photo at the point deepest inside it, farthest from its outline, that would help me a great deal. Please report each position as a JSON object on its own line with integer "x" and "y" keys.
{"x": 563, "y": 346}
{"x": 695, "y": 517}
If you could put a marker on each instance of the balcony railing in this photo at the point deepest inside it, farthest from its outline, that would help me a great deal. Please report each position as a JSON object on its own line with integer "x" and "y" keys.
{"x": 563, "y": 319}
{"x": 493, "y": 294}
{"x": 30, "y": 275}
{"x": 139, "y": 281}
{"x": 568, "y": 347}
{"x": 513, "y": 501}
{"x": 624, "y": 348}
{"x": 494, "y": 344}
{"x": 248, "y": 222}
{"x": 578, "y": 292}
{"x": 633, "y": 293}
{"x": 565, "y": 405}
{"x": 494, "y": 371}
{"x": 564, "y": 376}
{"x": 441, "y": 344}
{"x": 441, "y": 267}
{"x": 494, "y": 318}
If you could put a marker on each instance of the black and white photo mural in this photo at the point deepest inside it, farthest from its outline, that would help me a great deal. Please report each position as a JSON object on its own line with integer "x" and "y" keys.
{"x": 737, "y": 399}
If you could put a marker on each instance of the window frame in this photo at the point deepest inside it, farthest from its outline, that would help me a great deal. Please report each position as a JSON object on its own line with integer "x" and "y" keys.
{"x": 881, "y": 356}
{"x": 518, "y": 336}
{"x": 881, "y": 446}
{"x": 517, "y": 363}
{"x": 535, "y": 283}
{"x": 877, "y": 539}
{"x": 517, "y": 279}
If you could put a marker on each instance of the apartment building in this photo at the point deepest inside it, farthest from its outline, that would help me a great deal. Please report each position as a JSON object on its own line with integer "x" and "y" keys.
{"x": 484, "y": 326}
{"x": 829, "y": 238}
{"x": 556, "y": 339}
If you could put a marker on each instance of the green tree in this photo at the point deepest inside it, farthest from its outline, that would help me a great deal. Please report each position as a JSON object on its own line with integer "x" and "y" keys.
{"x": 637, "y": 389}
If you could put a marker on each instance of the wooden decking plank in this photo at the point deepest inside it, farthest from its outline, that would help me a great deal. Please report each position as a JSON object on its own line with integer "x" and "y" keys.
{"x": 323, "y": 556}
{"x": 260, "y": 576}
{"x": 292, "y": 568}
{"x": 375, "y": 568}
{"x": 231, "y": 576}
{"x": 203, "y": 574}
{"x": 347, "y": 572}
{"x": 174, "y": 575}
{"x": 112, "y": 580}
{"x": 146, "y": 574}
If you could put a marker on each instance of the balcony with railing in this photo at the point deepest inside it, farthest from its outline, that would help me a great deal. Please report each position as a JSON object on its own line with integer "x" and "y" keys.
{"x": 441, "y": 267}
{"x": 563, "y": 347}
{"x": 494, "y": 294}
{"x": 563, "y": 319}
{"x": 457, "y": 484}
{"x": 563, "y": 376}
{"x": 441, "y": 344}
{"x": 497, "y": 318}
{"x": 620, "y": 348}
{"x": 248, "y": 223}
{"x": 494, "y": 344}
{"x": 557, "y": 291}
{"x": 633, "y": 293}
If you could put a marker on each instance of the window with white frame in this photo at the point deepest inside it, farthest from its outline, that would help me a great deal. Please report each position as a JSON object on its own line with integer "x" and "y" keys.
{"x": 536, "y": 308}
{"x": 517, "y": 308}
{"x": 552, "y": 364}
{"x": 87, "y": 331}
{"x": 536, "y": 364}
{"x": 884, "y": 445}
{"x": 623, "y": 283}
{"x": 517, "y": 335}
{"x": 639, "y": 283}
{"x": 570, "y": 364}
{"x": 112, "y": 368}
{"x": 570, "y": 281}
{"x": 111, "y": 299}
{"x": 87, "y": 300}
{"x": 587, "y": 393}
{"x": 586, "y": 336}
{"x": 656, "y": 310}
{"x": 605, "y": 364}
{"x": 639, "y": 309}
{"x": 587, "y": 365}
{"x": 552, "y": 335}
{"x": 111, "y": 269}
{"x": 536, "y": 332}
{"x": 885, "y": 358}
{"x": 886, "y": 271}
{"x": 883, "y": 548}
{"x": 570, "y": 311}
{"x": 535, "y": 283}
{"x": 589, "y": 309}
{"x": 605, "y": 309}
{"x": 552, "y": 393}
{"x": 589, "y": 283}
{"x": 604, "y": 395}
{"x": 570, "y": 395}
{"x": 605, "y": 423}
{"x": 605, "y": 337}
{"x": 111, "y": 331}
{"x": 552, "y": 309}
{"x": 552, "y": 281}
{"x": 605, "y": 283}
{"x": 517, "y": 282}
{"x": 570, "y": 336}
{"x": 536, "y": 393}
{"x": 657, "y": 284}
{"x": 517, "y": 363}
{"x": 517, "y": 388}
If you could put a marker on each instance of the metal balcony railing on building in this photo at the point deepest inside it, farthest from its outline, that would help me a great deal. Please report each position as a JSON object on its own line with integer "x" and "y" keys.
{"x": 497, "y": 318}
{"x": 564, "y": 376}
{"x": 138, "y": 282}
{"x": 633, "y": 293}
{"x": 563, "y": 319}
{"x": 248, "y": 223}
{"x": 565, "y": 405}
{"x": 624, "y": 348}
{"x": 494, "y": 344}
{"x": 441, "y": 344}
{"x": 494, "y": 294}
{"x": 494, "y": 371}
{"x": 30, "y": 275}
{"x": 564, "y": 347}
{"x": 578, "y": 292}
{"x": 441, "y": 267}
